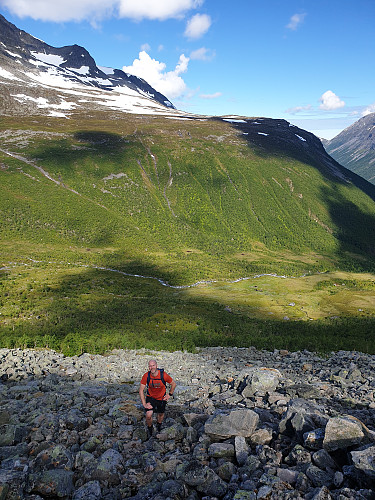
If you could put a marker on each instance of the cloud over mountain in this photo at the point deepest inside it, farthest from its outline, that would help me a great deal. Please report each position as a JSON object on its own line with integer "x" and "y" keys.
{"x": 170, "y": 83}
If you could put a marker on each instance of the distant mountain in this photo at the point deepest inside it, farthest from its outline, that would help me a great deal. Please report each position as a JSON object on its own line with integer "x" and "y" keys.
{"x": 40, "y": 79}
{"x": 354, "y": 147}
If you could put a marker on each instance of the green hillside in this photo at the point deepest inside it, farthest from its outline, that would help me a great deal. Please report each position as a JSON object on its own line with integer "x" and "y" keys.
{"x": 181, "y": 201}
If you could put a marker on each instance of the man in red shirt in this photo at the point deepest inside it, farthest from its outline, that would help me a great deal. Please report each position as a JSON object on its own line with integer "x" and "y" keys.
{"x": 156, "y": 399}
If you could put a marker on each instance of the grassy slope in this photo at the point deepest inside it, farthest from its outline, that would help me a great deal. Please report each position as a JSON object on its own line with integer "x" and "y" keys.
{"x": 183, "y": 202}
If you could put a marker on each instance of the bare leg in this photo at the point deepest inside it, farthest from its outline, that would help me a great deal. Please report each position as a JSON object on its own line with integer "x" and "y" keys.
{"x": 160, "y": 417}
{"x": 149, "y": 418}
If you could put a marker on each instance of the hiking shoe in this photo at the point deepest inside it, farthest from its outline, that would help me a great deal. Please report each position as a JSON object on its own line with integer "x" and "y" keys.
{"x": 158, "y": 427}
{"x": 149, "y": 431}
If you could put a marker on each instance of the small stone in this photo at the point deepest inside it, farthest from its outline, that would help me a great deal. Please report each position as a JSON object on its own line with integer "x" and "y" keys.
{"x": 221, "y": 450}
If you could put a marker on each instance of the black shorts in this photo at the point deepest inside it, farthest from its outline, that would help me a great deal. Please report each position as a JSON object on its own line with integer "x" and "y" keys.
{"x": 158, "y": 406}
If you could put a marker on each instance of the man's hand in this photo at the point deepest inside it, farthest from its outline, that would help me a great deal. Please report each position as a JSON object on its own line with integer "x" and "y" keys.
{"x": 148, "y": 406}
{"x": 166, "y": 397}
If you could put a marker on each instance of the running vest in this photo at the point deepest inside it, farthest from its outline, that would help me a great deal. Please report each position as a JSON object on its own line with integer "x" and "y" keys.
{"x": 161, "y": 371}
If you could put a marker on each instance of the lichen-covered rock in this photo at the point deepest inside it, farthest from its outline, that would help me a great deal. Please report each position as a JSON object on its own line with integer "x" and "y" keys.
{"x": 342, "y": 432}
{"x": 89, "y": 491}
{"x": 54, "y": 457}
{"x": 52, "y": 483}
{"x": 221, "y": 450}
{"x": 107, "y": 468}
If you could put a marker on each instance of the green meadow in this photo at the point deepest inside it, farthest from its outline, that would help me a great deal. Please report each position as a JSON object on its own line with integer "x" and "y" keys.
{"x": 150, "y": 232}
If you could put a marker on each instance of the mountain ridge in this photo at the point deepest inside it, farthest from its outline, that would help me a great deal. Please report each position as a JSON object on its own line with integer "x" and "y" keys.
{"x": 34, "y": 67}
{"x": 354, "y": 147}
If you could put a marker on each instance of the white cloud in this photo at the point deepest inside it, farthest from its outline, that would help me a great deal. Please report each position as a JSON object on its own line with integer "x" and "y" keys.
{"x": 295, "y": 21}
{"x": 168, "y": 83}
{"x": 68, "y": 10}
{"x": 298, "y": 109}
{"x": 370, "y": 109}
{"x": 211, "y": 96}
{"x": 71, "y": 10}
{"x": 330, "y": 101}
{"x": 160, "y": 9}
{"x": 203, "y": 54}
{"x": 197, "y": 26}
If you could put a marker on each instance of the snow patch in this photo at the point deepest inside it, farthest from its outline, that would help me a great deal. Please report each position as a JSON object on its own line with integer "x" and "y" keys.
{"x": 38, "y": 63}
{"x": 41, "y": 102}
{"x": 48, "y": 58}
{"x": 262, "y": 133}
{"x": 300, "y": 138}
{"x": 177, "y": 118}
{"x": 147, "y": 94}
{"x": 9, "y": 76}
{"x": 12, "y": 53}
{"x": 57, "y": 114}
{"x": 52, "y": 79}
{"x": 107, "y": 71}
{"x": 83, "y": 70}
{"x": 233, "y": 120}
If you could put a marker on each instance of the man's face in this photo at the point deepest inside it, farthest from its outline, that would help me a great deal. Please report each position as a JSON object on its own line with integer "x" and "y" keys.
{"x": 152, "y": 366}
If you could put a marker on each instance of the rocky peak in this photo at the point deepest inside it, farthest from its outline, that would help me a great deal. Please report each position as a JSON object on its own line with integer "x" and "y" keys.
{"x": 22, "y": 56}
{"x": 354, "y": 147}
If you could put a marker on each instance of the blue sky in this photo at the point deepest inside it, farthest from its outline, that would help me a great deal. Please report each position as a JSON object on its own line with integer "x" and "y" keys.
{"x": 310, "y": 62}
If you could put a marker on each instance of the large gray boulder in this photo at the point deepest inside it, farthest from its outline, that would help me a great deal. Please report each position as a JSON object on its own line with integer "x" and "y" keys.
{"x": 258, "y": 379}
{"x": 343, "y": 432}
{"x": 364, "y": 461}
{"x": 241, "y": 422}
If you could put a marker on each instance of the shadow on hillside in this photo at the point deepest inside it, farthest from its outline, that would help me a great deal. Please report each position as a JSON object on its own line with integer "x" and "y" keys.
{"x": 64, "y": 154}
{"x": 356, "y": 228}
{"x": 99, "y": 310}
{"x": 355, "y": 224}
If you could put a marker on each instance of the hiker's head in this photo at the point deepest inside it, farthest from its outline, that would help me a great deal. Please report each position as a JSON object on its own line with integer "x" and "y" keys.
{"x": 152, "y": 365}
